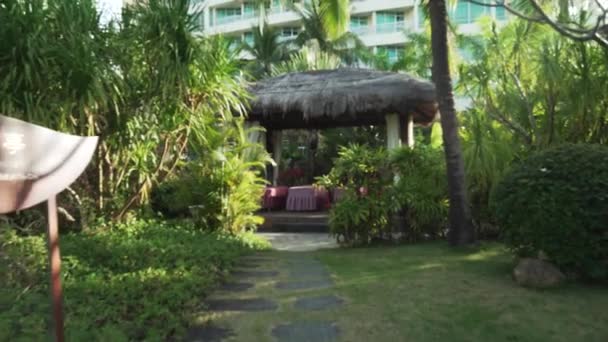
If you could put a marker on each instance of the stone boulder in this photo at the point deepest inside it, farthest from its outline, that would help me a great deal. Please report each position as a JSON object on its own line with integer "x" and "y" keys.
{"x": 537, "y": 273}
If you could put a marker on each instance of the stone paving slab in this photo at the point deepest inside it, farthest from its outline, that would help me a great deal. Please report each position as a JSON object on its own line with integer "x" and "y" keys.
{"x": 255, "y": 274}
{"x": 208, "y": 333}
{"x": 318, "y": 303}
{"x": 305, "y": 284}
{"x": 306, "y": 332}
{"x": 236, "y": 287}
{"x": 251, "y": 304}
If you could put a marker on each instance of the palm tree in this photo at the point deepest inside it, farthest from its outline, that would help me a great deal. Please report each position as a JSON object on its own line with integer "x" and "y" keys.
{"x": 325, "y": 22}
{"x": 266, "y": 49}
{"x": 461, "y": 229}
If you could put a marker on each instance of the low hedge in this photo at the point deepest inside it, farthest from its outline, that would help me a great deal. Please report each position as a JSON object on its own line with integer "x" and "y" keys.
{"x": 136, "y": 281}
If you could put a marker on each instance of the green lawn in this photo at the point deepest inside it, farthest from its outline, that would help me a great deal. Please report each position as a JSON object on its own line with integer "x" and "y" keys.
{"x": 430, "y": 292}
{"x": 426, "y": 292}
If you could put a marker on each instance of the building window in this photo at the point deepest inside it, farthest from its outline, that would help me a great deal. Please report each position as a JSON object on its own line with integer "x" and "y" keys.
{"x": 248, "y": 38}
{"x": 227, "y": 15}
{"x": 359, "y": 25}
{"x": 467, "y": 13}
{"x": 288, "y": 33}
{"x": 392, "y": 53}
{"x": 390, "y": 22}
{"x": 501, "y": 13}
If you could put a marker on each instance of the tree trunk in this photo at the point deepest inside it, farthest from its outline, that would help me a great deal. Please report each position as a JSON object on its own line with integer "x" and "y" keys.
{"x": 461, "y": 228}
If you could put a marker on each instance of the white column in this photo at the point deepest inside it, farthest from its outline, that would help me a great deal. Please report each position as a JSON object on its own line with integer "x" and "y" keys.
{"x": 277, "y": 139}
{"x": 409, "y": 127}
{"x": 393, "y": 137}
{"x": 206, "y": 18}
{"x": 416, "y": 16}
{"x": 372, "y": 26}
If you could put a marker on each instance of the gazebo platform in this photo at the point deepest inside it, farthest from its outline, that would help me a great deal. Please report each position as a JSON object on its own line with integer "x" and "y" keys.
{"x": 294, "y": 221}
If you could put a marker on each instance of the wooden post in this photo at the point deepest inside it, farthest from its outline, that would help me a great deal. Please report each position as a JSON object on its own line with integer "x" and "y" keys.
{"x": 277, "y": 137}
{"x": 409, "y": 129}
{"x": 393, "y": 136}
{"x": 55, "y": 267}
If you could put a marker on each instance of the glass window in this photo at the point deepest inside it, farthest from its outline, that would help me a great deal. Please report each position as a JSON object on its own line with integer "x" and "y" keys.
{"x": 359, "y": 21}
{"x": 359, "y": 25}
{"x": 248, "y": 38}
{"x": 227, "y": 15}
{"x": 289, "y": 32}
{"x": 389, "y": 21}
{"x": 501, "y": 13}
{"x": 393, "y": 53}
{"x": 467, "y": 13}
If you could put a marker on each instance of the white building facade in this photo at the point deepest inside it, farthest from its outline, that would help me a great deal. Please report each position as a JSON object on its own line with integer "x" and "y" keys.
{"x": 381, "y": 24}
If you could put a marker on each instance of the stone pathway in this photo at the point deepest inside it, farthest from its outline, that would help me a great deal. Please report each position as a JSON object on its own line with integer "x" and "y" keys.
{"x": 274, "y": 296}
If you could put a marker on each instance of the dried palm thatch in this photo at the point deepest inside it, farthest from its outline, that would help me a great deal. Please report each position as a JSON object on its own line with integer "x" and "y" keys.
{"x": 341, "y": 97}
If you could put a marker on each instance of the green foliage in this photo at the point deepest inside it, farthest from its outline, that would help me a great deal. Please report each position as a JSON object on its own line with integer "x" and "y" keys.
{"x": 555, "y": 202}
{"x": 364, "y": 212}
{"x": 141, "y": 280}
{"x": 322, "y": 21}
{"x": 266, "y": 49}
{"x": 488, "y": 150}
{"x": 378, "y": 186}
{"x": 537, "y": 84}
{"x": 222, "y": 186}
{"x": 145, "y": 85}
{"x": 421, "y": 190}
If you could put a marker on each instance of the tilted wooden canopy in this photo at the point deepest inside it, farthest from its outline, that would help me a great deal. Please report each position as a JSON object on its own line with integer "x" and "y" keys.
{"x": 341, "y": 97}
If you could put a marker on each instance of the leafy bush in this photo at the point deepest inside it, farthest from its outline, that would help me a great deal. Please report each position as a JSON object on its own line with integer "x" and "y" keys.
{"x": 222, "y": 186}
{"x": 137, "y": 281}
{"x": 364, "y": 212}
{"x": 557, "y": 202}
{"x": 378, "y": 185}
{"x": 421, "y": 190}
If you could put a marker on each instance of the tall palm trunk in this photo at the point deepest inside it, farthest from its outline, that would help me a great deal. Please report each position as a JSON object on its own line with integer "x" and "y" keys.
{"x": 461, "y": 228}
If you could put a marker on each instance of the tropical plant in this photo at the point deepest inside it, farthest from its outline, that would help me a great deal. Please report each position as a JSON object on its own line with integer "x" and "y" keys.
{"x": 488, "y": 151}
{"x": 323, "y": 23}
{"x": 421, "y": 190}
{"x": 555, "y": 202}
{"x": 307, "y": 59}
{"x": 538, "y": 85}
{"x": 144, "y": 84}
{"x": 266, "y": 49}
{"x": 364, "y": 212}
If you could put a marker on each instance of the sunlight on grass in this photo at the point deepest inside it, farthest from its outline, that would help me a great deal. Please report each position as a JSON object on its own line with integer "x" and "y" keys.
{"x": 485, "y": 254}
{"x": 429, "y": 266}
{"x": 430, "y": 292}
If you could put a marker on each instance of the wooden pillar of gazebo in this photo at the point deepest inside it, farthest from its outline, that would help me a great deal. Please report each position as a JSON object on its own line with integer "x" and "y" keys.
{"x": 399, "y": 131}
{"x": 277, "y": 146}
{"x": 393, "y": 131}
{"x": 407, "y": 130}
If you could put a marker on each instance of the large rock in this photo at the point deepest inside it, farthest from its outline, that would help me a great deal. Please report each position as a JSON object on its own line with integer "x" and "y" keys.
{"x": 537, "y": 273}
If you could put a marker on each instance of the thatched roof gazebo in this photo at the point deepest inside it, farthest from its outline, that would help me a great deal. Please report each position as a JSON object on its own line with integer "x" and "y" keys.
{"x": 342, "y": 97}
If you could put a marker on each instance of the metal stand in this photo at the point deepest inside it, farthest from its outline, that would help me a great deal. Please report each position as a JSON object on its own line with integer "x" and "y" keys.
{"x": 55, "y": 267}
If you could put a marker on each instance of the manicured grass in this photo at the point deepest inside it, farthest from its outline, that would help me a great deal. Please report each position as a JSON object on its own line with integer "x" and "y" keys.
{"x": 430, "y": 292}
{"x": 425, "y": 292}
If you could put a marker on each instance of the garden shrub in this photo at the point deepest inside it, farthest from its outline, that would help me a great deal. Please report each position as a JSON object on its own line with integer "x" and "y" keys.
{"x": 406, "y": 181}
{"x": 556, "y": 202}
{"x": 421, "y": 190}
{"x": 141, "y": 280}
{"x": 364, "y": 212}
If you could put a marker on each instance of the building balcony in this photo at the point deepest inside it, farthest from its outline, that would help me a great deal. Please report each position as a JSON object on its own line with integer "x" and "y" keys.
{"x": 397, "y": 26}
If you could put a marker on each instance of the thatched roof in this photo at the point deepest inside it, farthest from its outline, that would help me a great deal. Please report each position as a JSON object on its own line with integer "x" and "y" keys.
{"x": 342, "y": 97}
